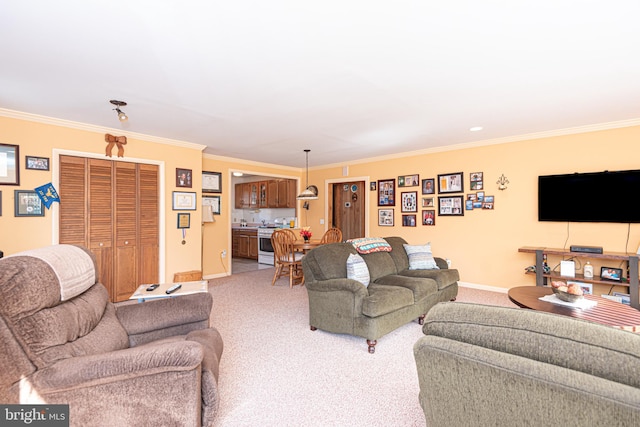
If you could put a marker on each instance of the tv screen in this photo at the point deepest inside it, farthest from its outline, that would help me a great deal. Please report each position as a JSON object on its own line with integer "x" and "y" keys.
{"x": 589, "y": 197}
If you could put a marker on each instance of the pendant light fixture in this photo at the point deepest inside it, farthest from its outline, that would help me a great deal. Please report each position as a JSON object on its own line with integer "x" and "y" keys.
{"x": 308, "y": 193}
{"x": 121, "y": 114}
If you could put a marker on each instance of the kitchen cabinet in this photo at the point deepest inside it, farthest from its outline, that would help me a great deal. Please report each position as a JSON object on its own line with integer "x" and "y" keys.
{"x": 281, "y": 193}
{"x": 243, "y": 195}
{"x": 273, "y": 193}
{"x": 244, "y": 243}
{"x": 262, "y": 194}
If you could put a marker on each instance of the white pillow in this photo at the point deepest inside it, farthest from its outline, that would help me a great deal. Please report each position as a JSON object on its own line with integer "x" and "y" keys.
{"x": 420, "y": 257}
{"x": 357, "y": 269}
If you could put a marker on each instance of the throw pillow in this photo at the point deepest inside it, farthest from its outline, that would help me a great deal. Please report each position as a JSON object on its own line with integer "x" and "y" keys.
{"x": 367, "y": 245}
{"x": 420, "y": 257}
{"x": 357, "y": 269}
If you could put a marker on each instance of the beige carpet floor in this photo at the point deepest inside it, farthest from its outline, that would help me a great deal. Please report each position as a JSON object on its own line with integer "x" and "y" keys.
{"x": 275, "y": 371}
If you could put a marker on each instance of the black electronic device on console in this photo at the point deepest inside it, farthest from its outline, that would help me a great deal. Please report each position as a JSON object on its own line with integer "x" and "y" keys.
{"x": 586, "y": 249}
{"x": 173, "y": 289}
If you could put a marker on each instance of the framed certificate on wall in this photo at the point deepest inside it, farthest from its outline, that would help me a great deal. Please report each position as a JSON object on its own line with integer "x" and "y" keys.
{"x": 211, "y": 182}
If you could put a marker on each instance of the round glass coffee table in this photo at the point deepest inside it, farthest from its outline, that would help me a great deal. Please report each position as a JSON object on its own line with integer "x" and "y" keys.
{"x": 607, "y": 312}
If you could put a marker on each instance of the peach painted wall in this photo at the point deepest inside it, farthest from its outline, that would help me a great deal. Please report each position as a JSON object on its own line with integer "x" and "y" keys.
{"x": 39, "y": 138}
{"x": 483, "y": 244}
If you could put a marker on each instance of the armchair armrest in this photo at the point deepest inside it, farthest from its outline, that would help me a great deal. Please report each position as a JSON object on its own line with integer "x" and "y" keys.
{"x": 158, "y": 319}
{"x": 118, "y": 366}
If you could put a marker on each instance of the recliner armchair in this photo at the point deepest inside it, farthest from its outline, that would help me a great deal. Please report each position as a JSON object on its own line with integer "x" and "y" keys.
{"x": 63, "y": 342}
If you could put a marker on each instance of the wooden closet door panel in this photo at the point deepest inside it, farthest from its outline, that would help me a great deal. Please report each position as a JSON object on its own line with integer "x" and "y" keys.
{"x": 148, "y": 224}
{"x": 73, "y": 206}
{"x": 100, "y": 219}
{"x": 125, "y": 230}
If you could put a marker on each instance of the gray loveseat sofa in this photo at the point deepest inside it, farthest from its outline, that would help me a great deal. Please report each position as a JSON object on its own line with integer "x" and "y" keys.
{"x": 483, "y": 365}
{"x": 63, "y": 342}
{"x": 395, "y": 296}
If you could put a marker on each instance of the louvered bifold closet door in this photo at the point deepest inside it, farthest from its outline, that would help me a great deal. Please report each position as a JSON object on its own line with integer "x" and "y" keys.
{"x": 148, "y": 224}
{"x": 72, "y": 187}
{"x": 125, "y": 227}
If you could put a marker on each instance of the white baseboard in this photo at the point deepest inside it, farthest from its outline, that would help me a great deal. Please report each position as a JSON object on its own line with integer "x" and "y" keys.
{"x": 483, "y": 287}
{"x": 216, "y": 276}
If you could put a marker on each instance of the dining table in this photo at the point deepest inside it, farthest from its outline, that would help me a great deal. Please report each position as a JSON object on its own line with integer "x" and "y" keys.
{"x": 305, "y": 246}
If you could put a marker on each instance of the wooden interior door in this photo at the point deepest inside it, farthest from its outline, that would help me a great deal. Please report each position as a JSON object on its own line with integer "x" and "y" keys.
{"x": 100, "y": 219}
{"x": 348, "y": 213}
{"x": 125, "y": 225}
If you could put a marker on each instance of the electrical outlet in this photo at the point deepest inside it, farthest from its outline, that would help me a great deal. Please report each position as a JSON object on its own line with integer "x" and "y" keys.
{"x": 223, "y": 253}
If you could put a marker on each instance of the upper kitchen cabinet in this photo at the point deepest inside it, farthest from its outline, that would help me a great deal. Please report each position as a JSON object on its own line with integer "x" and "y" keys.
{"x": 274, "y": 193}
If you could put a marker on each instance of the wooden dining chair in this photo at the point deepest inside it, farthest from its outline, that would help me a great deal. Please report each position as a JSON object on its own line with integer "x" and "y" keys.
{"x": 287, "y": 260}
{"x": 332, "y": 235}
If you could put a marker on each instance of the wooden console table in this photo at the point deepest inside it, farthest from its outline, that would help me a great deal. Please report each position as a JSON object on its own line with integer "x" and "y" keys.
{"x": 632, "y": 259}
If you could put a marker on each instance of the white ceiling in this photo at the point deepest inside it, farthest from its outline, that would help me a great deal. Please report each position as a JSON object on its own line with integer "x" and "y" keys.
{"x": 264, "y": 79}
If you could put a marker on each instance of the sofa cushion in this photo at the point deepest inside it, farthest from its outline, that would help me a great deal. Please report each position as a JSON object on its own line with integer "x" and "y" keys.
{"x": 444, "y": 277}
{"x": 385, "y": 299}
{"x": 420, "y": 257}
{"x": 357, "y": 269}
{"x": 367, "y": 245}
{"x": 380, "y": 264}
{"x": 327, "y": 262}
{"x": 421, "y": 287}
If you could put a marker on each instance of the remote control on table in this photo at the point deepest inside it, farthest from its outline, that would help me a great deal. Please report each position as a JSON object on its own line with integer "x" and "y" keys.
{"x": 173, "y": 289}
{"x": 152, "y": 287}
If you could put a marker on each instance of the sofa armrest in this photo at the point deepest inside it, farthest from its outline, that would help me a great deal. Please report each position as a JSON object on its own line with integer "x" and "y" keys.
{"x": 117, "y": 366}
{"x": 332, "y": 285}
{"x": 441, "y": 263}
{"x": 177, "y": 315}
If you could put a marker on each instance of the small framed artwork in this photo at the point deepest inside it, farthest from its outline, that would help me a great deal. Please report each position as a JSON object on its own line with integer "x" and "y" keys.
{"x": 468, "y": 205}
{"x": 385, "y": 217}
{"x": 211, "y": 182}
{"x": 610, "y": 273}
{"x": 184, "y": 201}
{"x": 183, "y": 178}
{"x": 184, "y": 220}
{"x": 450, "y": 183}
{"x": 9, "y": 164}
{"x": 410, "y": 201}
{"x": 450, "y": 206}
{"x": 429, "y": 217}
{"x": 476, "y": 181}
{"x": 480, "y": 196}
{"x": 409, "y": 181}
{"x": 427, "y": 202}
{"x": 372, "y": 186}
{"x": 387, "y": 192}
{"x": 36, "y": 163}
{"x": 214, "y": 202}
{"x": 487, "y": 203}
{"x": 408, "y": 220}
{"x": 428, "y": 186}
{"x": 28, "y": 203}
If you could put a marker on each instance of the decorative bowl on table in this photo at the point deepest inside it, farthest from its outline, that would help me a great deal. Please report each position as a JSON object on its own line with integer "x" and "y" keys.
{"x": 568, "y": 297}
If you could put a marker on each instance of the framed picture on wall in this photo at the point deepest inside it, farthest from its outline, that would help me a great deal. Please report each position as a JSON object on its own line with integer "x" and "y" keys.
{"x": 211, "y": 182}
{"x": 9, "y": 164}
{"x": 36, "y": 163}
{"x": 214, "y": 202}
{"x": 408, "y": 220}
{"x": 184, "y": 201}
{"x": 184, "y": 220}
{"x": 450, "y": 183}
{"x": 28, "y": 203}
{"x": 450, "y": 206}
{"x": 385, "y": 217}
{"x": 387, "y": 192}
{"x": 409, "y": 180}
{"x": 428, "y": 186}
{"x": 183, "y": 177}
{"x": 410, "y": 201}
{"x": 429, "y": 217}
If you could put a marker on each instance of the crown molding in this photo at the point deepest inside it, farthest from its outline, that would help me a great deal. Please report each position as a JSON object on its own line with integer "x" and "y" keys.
{"x": 98, "y": 129}
{"x": 496, "y": 141}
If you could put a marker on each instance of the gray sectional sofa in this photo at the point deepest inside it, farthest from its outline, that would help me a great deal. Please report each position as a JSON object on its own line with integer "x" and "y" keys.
{"x": 395, "y": 296}
{"x": 483, "y": 365}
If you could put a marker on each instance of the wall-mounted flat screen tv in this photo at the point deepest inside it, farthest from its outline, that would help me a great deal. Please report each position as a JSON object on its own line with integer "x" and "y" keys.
{"x": 589, "y": 197}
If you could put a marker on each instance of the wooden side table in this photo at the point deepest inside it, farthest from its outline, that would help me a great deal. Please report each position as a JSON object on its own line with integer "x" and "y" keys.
{"x": 187, "y": 276}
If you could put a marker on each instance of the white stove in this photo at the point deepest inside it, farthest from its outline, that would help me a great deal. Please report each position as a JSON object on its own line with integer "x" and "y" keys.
{"x": 265, "y": 249}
